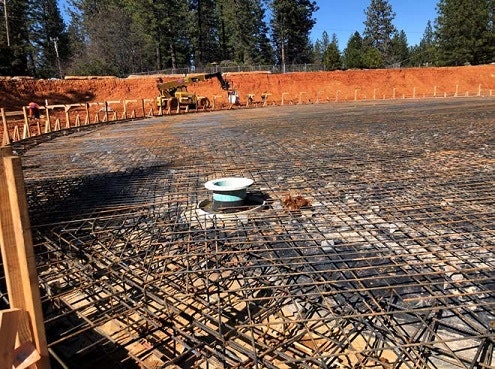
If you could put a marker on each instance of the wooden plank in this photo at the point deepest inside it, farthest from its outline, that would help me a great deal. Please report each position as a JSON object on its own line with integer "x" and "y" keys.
{"x": 48, "y": 122}
{"x": 26, "y": 116}
{"x": 18, "y": 113}
{"x": 106, "y": 111}
{"x": 18, "y": 254}
{"x": 9, "y": 323}
{"x": 6, "y": 137}
{"x": 25, "y": 356}
{"x": 67, "y": 107}
{"x": 15, "y": 135}
{"x": 87, "y": 120}
{"x": 67, "y": 119}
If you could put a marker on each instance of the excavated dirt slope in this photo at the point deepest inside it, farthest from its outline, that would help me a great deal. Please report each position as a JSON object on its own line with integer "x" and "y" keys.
{"x": 293, "y": 87}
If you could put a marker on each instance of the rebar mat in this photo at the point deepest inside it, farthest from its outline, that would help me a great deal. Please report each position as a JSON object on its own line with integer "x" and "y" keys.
{"x": 391, "y": 265}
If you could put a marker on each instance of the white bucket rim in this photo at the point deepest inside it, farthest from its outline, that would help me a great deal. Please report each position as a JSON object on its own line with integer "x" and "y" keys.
{"x": 236, "y": 183}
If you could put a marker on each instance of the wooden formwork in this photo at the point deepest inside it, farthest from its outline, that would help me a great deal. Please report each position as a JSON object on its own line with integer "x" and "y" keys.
{"x": 22, "y": 326}
{"x": 17, "y": 125}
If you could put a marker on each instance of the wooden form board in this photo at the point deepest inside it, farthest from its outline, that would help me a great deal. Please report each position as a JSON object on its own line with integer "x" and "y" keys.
{"x": 9, "y": 323}
{"x": 18, "y": 255}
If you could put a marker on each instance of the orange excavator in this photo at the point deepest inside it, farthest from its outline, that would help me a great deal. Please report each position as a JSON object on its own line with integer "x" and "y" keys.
{"x": 174, "y": 94}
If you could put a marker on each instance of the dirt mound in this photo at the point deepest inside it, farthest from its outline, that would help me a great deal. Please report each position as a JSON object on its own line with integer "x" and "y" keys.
{"x": 291, "y": 87}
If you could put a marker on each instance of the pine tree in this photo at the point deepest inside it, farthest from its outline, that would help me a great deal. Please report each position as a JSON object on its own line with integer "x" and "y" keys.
{"x": 379, "y": 29}
{"x": 244, "y": 32}
{"x": 48, "y": 37}
{"x": 5, "y": 55}
{"x": 428, "y": 35}
{"x": 463, "y": 33}
{"x": 108, "y": 38}
{"x": 372, "y": 58}
{"x": 490, "y": 36}
{"x": 263, "y": 48}
{"x": 84, "y": 28}
{"x": 353, "y": 53}
{"x": 14, "y": 53}
{"x": 320, "y": 46}
{"x": 399, "y": 49}
{"x": 318, "y": 51}
{"x": 291, "y": 22}
{"x": 162, "y": 27}
{"x": 78, "y": 38}
{"x": 332, "y": 59}
{"x": 424, "y": 53}
{"x": 204, "y": 32}
{"x": 325, "y": 39}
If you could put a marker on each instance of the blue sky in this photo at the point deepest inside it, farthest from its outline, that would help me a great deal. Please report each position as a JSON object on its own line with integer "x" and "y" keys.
{"x": 344, "y": 17}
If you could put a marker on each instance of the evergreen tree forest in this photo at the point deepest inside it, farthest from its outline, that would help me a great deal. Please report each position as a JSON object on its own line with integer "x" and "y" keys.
{"x": 122, "y": 37}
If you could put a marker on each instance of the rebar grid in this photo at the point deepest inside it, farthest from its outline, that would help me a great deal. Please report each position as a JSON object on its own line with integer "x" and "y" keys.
{"x": 391, "y": 266}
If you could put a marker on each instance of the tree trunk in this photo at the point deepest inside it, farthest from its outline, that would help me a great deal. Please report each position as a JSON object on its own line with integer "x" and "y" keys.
{"x": 158, "y": 58}
{"x": 200, "y": 33}
{"x": 172, "y": 56}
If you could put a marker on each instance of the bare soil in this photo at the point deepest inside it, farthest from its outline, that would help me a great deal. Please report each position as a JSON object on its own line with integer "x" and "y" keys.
{"x": 292, "y": 87}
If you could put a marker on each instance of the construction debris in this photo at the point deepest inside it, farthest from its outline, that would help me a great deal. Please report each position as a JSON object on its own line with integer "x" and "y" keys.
{"x": 296, "y": 202}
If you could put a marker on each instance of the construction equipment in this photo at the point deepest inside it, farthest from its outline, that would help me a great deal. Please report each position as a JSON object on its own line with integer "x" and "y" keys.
{"x": 174, "y": 94}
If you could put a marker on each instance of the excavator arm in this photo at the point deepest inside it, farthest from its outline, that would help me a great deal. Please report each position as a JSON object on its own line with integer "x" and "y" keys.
{"x": 169, "y": 88}
{"x": 225, "y": 84}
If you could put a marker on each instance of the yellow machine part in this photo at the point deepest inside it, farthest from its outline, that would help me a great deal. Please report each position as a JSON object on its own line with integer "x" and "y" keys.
{"x": 167, "y": 102}
{"x": 186, "y": 98}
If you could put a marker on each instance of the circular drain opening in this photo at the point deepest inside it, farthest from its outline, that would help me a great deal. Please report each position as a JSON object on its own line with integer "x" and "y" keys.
{"x": 250, "y": 203}
{"x": 229, "y": 194}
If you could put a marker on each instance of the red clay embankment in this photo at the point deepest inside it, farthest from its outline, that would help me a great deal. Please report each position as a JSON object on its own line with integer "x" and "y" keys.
{"x": 311, "y": 86}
